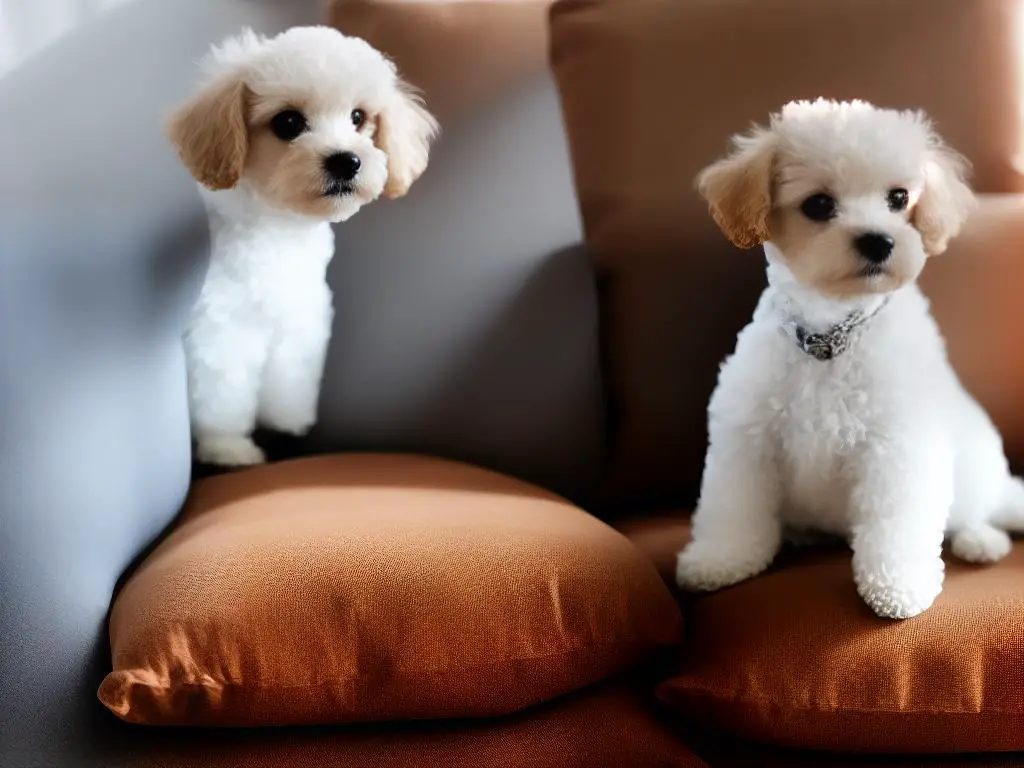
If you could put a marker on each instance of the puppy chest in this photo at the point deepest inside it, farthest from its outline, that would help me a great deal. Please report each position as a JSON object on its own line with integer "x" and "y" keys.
{"x": 279, "y": 275}
{"x": 821, "y": 419}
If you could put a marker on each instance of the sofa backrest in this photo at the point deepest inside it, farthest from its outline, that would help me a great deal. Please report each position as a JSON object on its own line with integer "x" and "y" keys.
{"x": 651, "y": 92}
{"x": 460, "y": 54}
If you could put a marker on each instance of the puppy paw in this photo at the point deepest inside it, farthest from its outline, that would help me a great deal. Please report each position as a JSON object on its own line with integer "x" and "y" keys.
{"x": 232, "y": 451}
{"x": 703, "y": 568}
{"x": 980, "y": 544}
{"x": 902, "y": 594}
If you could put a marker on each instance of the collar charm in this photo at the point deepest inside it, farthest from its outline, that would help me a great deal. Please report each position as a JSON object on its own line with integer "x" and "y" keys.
{"x": 830, "y": 343}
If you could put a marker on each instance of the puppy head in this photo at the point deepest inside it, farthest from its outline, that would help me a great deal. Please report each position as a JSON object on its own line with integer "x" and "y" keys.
{"x": 854, "y": 198}
{"x": 310, "y": 121}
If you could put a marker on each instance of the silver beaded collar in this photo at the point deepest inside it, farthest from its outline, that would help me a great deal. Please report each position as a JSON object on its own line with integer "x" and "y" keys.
{"x": 834, "y": 341}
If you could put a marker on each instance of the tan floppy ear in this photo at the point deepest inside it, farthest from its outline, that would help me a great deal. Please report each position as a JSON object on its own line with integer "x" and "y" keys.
{"x": 946, "y": 200}
{"x": 405, "y": 130}
{"x": 211, "y": 134}
{"x": 738, "y": 188}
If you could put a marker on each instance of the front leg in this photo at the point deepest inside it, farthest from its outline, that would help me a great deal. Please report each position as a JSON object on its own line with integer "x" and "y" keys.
{"x": 224, "y": 360}
{"x": 293, "y": 373}
{"x": 902, "y": 494}
{"x": 736, "y": 528}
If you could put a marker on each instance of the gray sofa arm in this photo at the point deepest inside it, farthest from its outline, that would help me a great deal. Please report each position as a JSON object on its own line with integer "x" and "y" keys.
{"x": 103, "y": 242}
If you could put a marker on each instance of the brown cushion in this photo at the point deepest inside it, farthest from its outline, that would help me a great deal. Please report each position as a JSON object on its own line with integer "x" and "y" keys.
{"x": 606, "y": 726}
{"x": 794, "y": 658}
{"x": 733, "y": 753}
{"x": 373, "y": 587}
{"x": 460, "y": 53}
{"x": 651, "y": 92}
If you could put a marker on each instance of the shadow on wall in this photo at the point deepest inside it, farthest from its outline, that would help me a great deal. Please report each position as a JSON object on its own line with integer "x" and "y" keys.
{"x": 520, "y": 393}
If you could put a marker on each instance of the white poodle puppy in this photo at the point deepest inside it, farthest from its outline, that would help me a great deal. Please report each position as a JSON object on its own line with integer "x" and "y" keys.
{"x": 838, "y": 411}
{"x": 287, "y": 135}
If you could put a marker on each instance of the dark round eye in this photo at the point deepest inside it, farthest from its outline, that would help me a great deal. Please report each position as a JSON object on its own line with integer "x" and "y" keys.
{"x": 358, "y": 118}
{"x": 819, "y": 207}
{"x": 288, "y": 125}
{"x": 898, "y": 199}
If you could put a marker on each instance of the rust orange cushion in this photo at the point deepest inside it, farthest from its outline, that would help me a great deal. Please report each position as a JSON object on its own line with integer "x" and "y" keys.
{"x": 794, "y": 658}
{"x": 613, "y": 724}
{"x": 376, "y": 587}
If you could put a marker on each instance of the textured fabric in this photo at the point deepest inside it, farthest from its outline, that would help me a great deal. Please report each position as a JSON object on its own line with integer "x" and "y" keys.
{"x": 651, "y": 91}
{"x": 730, "y": 752}
{"x": 374, "y": 587}
{"x": 757, "y": 756}
{"x": 459, "y": 53}
{"x": 608, "y": 726}
{"x": 794, "y": 658}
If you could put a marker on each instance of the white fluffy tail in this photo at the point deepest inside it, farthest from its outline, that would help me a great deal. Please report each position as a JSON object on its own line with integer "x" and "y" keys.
{"x": 1010, "y": 517}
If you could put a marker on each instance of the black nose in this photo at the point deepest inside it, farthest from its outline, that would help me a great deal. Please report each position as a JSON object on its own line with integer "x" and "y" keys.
{"x": 876, "y": 247}
{"x": 343, "y": 166}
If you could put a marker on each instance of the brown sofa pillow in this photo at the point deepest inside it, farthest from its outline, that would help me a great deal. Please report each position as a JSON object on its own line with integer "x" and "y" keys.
{"x": 608, "y": 725}
{"x": 372, "y": 587}
{"x": 794, "y": 658}
{"x": 651, "y": 91}
{"x": 460, "y": 53}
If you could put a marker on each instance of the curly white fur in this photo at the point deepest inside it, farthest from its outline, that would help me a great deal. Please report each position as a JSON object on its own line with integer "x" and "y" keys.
{"x": 881, "y": 445}
{"x": 257, "y": 339}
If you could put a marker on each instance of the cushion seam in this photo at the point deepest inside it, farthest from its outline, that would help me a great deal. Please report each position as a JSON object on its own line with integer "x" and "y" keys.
{"x": 579, "y": 651}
